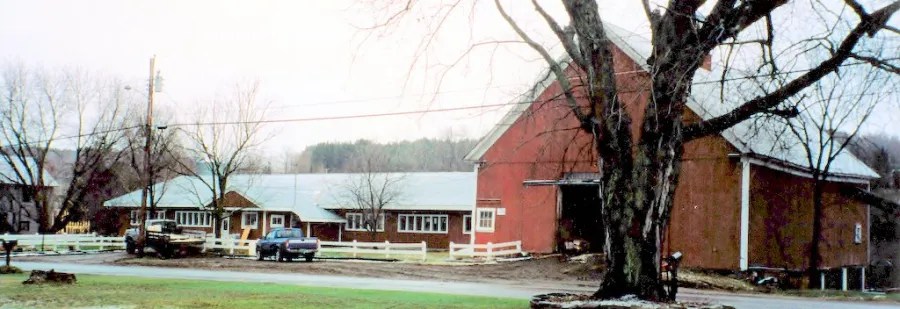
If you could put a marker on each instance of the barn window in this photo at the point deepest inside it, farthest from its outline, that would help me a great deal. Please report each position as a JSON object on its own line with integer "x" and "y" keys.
{"x": 193, "y": 218}
{"x": 250, "y": 220}
{"x": 467, "y": 224}
{"x": 356, "y": 222}
{"x": 422, "y": 224}
{"x": 857, "y": 234}
{"x": 485, "y": 220}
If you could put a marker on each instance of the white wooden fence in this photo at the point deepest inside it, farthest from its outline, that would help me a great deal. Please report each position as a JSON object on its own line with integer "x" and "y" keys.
{"x": 67, "y": 242}
{"x": 488, "y": 250}
{"x": 387, "y": 248}
{"x": 233, "y": 245}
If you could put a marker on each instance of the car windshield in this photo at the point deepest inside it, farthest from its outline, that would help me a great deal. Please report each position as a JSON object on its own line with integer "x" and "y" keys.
{"x": 292, "y": 233}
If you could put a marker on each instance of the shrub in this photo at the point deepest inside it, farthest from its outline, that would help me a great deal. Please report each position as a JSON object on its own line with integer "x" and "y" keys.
{"x": 9, "y": 270}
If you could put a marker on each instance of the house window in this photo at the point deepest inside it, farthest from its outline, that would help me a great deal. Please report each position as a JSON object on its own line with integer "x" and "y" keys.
{"x": 24, "y": 226}
{"x": 858, "y": 234}
{"x": 276, "y": 221}
{"x": 250, "y": 220}
{"x": 134, "y": 217}
{"x": 193, "y": 218}
{"x": 356, "y": 222}
{"x": 467, "y": 224}
{"x": 422, "y": 224}
{"x": 485, "y": 220}
{"x": 160, "y": 214}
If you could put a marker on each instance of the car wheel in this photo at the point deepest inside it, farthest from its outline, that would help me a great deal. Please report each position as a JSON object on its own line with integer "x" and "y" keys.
{"x": 309, "y": 257}
{"x": 259, "y": 255}
{"x": 129, "y": 246}
{"x": 278, "y": 257}
{"x": 289, "y": 258}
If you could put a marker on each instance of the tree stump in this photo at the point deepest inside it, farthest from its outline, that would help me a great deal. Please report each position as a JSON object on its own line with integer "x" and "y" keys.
{"x": 41, "y": 277}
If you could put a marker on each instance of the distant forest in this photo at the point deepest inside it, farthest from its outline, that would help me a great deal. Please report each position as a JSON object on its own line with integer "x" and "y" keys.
{"x": 422, "y": 155}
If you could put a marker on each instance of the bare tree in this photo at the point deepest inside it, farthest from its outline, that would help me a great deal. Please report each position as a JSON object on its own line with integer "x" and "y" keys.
{"x": 96, "y": 142}
{"x": 639, "y": 173}
{"x": 222, "y": 140}
{"x": 830, "y": 115}
{"x": 371, "y": 189}
{"x": 33, "y": 123}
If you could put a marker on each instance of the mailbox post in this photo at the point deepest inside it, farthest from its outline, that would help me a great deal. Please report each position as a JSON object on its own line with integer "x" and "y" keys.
{"x": 8, "y": 246}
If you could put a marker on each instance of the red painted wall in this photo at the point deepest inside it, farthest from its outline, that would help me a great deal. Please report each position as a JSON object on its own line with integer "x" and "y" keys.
{"x": 781, "y": 214}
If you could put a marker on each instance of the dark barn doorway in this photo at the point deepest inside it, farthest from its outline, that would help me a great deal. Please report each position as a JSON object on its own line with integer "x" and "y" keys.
{"x": 579, "y": 219}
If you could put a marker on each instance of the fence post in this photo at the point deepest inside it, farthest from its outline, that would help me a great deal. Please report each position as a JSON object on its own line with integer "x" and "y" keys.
{"x": 450, "y": 251}
{"x": 519, "y": 247}
{"x": 424, "y": 251}
{"x": 490, "y": 251}
{"x": 231, "y": 245}
{"x": 354, "y": 248}
{"x": 387, "y": 249}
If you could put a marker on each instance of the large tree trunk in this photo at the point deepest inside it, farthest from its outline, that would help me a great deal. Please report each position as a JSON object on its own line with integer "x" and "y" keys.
{"x": 815, "y": 255}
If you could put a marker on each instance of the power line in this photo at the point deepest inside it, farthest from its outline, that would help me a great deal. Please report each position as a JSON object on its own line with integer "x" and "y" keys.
{"x": 425, "y": 111}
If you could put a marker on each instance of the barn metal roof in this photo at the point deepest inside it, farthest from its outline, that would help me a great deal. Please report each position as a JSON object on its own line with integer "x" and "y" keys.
{"x": 311, "y": 196}
{"x": 704, "y": 101}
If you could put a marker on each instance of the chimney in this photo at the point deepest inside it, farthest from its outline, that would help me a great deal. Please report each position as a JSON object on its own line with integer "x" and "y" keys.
{"x": 707, "y": 63}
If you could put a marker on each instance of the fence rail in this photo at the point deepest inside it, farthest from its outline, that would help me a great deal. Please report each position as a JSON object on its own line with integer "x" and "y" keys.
{"x": 387, "y": 248}
{"x": 231, "y": 244}
{"x": 77, "y": 242}
{"x": 488, "y": 250}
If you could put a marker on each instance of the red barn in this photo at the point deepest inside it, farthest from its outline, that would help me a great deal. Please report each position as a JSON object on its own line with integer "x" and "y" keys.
{"x": 743, "y": 200}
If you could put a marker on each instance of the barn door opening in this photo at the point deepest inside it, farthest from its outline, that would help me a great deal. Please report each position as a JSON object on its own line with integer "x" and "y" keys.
{"x": 580, "y": 228}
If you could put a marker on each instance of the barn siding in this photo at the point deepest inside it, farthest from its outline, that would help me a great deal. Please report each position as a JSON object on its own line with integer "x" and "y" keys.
{"x": 781, "y": 216}
{"x": 543, "y": 144}
{"x": 707, "y": 206}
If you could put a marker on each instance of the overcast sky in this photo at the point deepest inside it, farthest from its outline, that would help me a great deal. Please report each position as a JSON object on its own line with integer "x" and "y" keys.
{"x": 310, "y": 57}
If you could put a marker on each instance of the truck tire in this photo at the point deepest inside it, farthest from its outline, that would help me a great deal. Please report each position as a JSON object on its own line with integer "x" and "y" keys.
{"x": 309, "y": 257}
{"x": 129, "y": 246}
{"x": 278, "y": 257}
{"x": 259, "y": 256}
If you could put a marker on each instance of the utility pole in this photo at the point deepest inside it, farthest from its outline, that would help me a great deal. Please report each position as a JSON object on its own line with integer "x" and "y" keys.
{"x": 148, "y": 134}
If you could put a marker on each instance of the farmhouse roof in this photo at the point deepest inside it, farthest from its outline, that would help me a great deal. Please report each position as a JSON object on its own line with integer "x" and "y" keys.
{"x": 310, "y": 196}
{"x": 707, "y": 101}
{"x": 8, "y": 170}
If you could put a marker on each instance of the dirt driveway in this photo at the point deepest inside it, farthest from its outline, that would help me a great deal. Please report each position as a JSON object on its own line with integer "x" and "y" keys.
{"x": 549, "y": 271}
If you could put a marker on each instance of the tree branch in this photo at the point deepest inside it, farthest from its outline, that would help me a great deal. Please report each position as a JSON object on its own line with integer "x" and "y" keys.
{"x": 771, "y": 100}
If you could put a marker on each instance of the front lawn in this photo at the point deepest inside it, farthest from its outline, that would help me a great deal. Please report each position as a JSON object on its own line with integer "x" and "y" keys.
{"x": 133, "y": 292}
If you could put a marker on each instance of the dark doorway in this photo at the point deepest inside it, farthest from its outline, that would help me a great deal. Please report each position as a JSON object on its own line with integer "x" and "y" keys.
{"x": 580, "y": 217}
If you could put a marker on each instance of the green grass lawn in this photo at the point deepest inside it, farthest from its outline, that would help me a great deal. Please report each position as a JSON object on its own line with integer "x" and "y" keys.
{"x": 133, "y": 292}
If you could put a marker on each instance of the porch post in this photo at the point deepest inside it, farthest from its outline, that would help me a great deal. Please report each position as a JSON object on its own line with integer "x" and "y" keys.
{"x": 263, "y": 222}
{"x": 821, "y": 280}
{"x": 843, "y": 278}
{"x": 308, "y": 230}
{"x": 339, "y": 233}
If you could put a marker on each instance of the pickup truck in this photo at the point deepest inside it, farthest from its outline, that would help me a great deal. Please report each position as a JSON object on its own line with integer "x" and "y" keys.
{"x": 285, "y": 244}
{"x": 165, "y": 237}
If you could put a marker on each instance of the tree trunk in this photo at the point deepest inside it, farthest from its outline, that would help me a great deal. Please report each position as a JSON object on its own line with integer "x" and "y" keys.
{"x": 815, "y": 255}
{"x": 637, "y": 202}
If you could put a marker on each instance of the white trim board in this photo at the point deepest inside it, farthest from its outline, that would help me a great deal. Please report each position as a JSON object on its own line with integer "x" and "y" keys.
{"x": 744, "y": 259}
{"x": 803, "y": 174}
